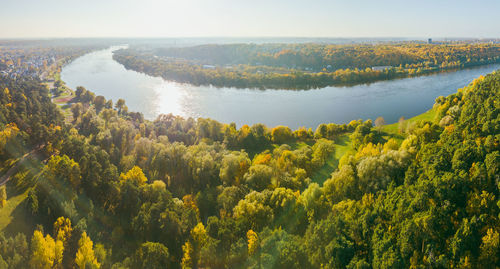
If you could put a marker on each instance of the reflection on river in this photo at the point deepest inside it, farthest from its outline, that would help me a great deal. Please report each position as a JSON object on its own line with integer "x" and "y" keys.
{"x": 407, "y": 97}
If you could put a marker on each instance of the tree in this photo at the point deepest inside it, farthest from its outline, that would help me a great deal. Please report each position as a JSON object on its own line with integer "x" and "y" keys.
{"x": 281, "y": 134}
{"x": 135, "y": 175}
{"x": 76, "y": 109}
{"x": 322, "y": 149}
{"x": 401, "y": 125}
{"x": 379, "y": 122}
{"x": 253, "y": 245}
{"x": 62, "y": 229}
{"x": 233, "y": 167}
{"x": 80, "y": 91}
{"x": 187, "y": 258}
{"x": 490, "y": 249}
{"x": 45, "y": 252}
{"x": 151, "y": 255}
{"x": 253, "y": 242}
{"x": 107, "y": 114}
{"x": 109, "y": 104}
{"x": 99, "y": 103}
{"x": 88, "y": 97}
{"x": 259, "y": 176}
{"x": 120, "y": 104}
{"x": 253, "y": 212}
{"x": 193, "y": 246}
{"x": 63, "y": 168}
{"x": 3, "y": 196}
{"x": 85, "y": 255}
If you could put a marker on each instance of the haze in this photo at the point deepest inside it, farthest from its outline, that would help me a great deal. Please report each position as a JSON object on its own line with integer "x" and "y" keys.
{"x": 313, "y": 18}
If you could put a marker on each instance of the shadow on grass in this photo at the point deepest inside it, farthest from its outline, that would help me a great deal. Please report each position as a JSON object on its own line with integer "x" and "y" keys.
{"x": 22, "y": 221}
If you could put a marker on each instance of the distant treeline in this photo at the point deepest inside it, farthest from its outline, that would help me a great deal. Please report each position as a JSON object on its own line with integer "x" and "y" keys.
{"x": 302, "y": 66}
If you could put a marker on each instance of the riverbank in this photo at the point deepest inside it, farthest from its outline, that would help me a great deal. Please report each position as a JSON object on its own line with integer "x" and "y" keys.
{"x": 152, "y": 96}
{"x": 302, "y": 67}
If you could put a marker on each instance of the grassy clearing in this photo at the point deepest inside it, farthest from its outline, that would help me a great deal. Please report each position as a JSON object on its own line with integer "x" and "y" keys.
{"x": 63, "y": 101}
{"x": 14, "y": 216}
{"x": 342, "y": 146}
{"x": 14, "y": 209}
{"x": 429, "y": 115}
{"x": 391, "y": 130}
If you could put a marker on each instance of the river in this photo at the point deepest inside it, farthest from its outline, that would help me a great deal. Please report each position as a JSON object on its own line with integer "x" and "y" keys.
{"x": 407, "y": 97}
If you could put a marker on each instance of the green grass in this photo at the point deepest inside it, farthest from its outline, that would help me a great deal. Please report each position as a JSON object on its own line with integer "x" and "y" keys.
{"x": 13, "y": 214}
{"x": 391, "y": 130}
{"x": 64, "y": 105}
{"x": 342, "y": 146}
{"x": 429, "y": 115}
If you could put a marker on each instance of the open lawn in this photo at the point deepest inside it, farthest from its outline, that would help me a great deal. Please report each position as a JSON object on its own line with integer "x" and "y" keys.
{"x": 13, "y": 216}
{"x": 429, "y": 115}
{"x": 342, "y": 146}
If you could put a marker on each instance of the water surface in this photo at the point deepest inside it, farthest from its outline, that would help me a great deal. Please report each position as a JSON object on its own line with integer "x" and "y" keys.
{"x": 407, "y": 97}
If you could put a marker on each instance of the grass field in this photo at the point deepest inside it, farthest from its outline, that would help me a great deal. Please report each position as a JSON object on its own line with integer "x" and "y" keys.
{"x": 14, "y": 216}
{"x": 14, "y": 209}
{"x": 342, "y": 146}
{"x": 63, "y": 101}
{"x": 429, "y": 115}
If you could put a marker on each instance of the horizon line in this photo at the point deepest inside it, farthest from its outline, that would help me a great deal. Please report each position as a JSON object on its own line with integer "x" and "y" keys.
{"x": 243, "y": 37}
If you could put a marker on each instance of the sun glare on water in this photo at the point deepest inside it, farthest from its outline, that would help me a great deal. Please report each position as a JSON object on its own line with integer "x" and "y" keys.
{"x": 169, "y": 98}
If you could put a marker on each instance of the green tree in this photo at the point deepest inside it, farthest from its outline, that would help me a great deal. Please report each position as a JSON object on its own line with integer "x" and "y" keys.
{"x": 151, "y": 255}
{"x": 281, "y": 134}
{"x": 99, "y": 103}
{"x": 120, "y": 104}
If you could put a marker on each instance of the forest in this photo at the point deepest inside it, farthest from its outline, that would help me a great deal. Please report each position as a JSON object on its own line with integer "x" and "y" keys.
{"x": 109, "y": 189}
{"x": 302, "y": 66}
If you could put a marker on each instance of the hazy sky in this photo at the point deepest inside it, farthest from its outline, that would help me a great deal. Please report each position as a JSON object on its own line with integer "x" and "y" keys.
{"x": 188, "y": 18}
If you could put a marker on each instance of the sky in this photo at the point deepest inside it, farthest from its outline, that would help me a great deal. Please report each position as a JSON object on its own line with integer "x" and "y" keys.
{"x": 249, "y": 18}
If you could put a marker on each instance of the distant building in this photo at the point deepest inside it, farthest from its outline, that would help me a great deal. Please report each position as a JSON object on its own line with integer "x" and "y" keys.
{"x": 208, "y": 66}
{"x": 429, "y": 41}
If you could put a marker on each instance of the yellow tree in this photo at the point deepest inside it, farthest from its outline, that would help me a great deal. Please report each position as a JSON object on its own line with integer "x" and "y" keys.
{"x": 45, "y": 252}
{"x": 3, "y": 196}
{"x": 7, "y": 134}
{"x": 490, "y": 249}
{"x": 187, "y": 258}
{"x": 253, "y": 242}
{"x": 62, "y": 229}
{"x": 85, "y": 255}
{"x": 135, "y": 174}
{"x": 192, "y": 247}
{"x": 253, "y": 245}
